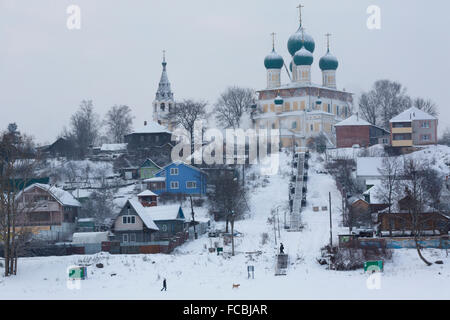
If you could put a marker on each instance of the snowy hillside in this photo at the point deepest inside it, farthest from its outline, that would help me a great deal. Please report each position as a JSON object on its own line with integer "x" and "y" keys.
{"x": 194, "y": 273}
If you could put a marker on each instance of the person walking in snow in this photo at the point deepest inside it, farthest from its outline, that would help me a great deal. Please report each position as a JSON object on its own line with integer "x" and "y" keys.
{"x": 281, "y": 248}
{"x": 164, "y": 285}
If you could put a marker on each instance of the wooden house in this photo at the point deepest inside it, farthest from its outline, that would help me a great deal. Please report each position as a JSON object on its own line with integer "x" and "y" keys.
{"x": 148, "y": 169}
{"x": 150, "y": 135}
{"x": 48, "y": 212}
{"x": 400, "y": 220}
{"x": 138, "y": 223}
{"x": 179, "y": 178}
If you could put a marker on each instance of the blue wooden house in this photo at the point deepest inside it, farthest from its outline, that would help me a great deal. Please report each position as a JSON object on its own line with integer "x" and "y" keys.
{"x": 178, "y": 178}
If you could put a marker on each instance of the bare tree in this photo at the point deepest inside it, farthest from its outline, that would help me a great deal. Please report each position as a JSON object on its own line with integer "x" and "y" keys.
{"x": 445, "y": 139}
{"x": 433, "y": 183}
{"x": 85, "y": 127}
{"x": 426, "y": 105}
{"x": 368, "y": 108}
{"x": 391, "y": 171}
{"x": 17, "y": 166}
{"x": 384, "y": 101}
{"x": 99, "y": 206}
{"x": 185, "y": 114}
{"x": 119, "y": 121}
{"x": 416, "y": 195}
{"x": 232, "y": 105}
{"x": 229, "y": 198}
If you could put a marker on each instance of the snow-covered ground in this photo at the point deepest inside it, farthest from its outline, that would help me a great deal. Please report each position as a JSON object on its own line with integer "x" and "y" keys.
{"x": 194, "y": 273}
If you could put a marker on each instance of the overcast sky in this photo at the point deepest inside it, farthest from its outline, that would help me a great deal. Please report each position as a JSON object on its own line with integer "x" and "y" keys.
{"x": 115, "y": 58}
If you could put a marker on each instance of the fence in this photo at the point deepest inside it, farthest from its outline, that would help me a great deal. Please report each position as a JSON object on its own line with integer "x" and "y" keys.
{"x": 350, "y": 241}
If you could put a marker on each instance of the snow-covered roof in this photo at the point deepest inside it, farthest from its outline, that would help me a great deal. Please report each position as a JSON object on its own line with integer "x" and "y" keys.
{"x": 90, "y": 237}
{"x": 412, "y": 114}
{"x": 143, "y": 213}
{"x": 169, "y": 212}
{"x": 86, "y": 220}
{"x": 179, "y": 162}
{"x": 353, "y": 120}
{"x": 368, "y": 166}
{"x": 81, "y": 193}
{"x": 155, "y": 179}
{"x": 152, "y": 127}
{"x": 114, "y": 146}
{"x": 292, "y": 85}
{"x": 151, "y": 214}
{"x": 147, "y": 193}
{"x": 60, "y": 195}
{"x": 375, "y": 193}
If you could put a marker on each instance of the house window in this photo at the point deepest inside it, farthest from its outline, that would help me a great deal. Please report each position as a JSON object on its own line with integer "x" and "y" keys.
{"x": 133, "y": 237}
{"x": 163, "y": 106}
{"x": 125, "y": 237}
{"x": 164, "y": 227}
{"x": 191, "y": 184}
{"x": 426, "y": 137}
{"x": 337, "y": 110}
{"x": 425, "y": 124}
{"x": 311, "y": 127}
{"x": 128, "y": 219}
{"x": 174, "y": 185}
{"x": 273, "y": 125}
{"x": 173, "y": 171}
{"x": 294, "y": 125}
{"x": 328, "y": 108}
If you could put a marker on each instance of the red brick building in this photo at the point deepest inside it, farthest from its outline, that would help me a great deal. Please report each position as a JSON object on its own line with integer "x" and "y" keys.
{"x": 355, "y": 130}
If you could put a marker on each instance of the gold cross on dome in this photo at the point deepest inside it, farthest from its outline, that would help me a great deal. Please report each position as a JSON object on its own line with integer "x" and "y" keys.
{"x": 299, "y": 7}
{"x": 328, "y": 35}
{"x": 273, "y": 40}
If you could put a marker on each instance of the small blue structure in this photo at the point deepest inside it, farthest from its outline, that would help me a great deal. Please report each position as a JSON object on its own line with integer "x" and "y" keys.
{"x": 180, "y": 178}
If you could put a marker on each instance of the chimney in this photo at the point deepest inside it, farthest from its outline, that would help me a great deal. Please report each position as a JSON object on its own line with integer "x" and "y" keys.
{"x": 145, "y": 123}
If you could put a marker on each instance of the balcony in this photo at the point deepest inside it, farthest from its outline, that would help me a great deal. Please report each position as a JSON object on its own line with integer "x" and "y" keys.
{"x": 402, "y": 130}
{"x": 402, "y": 143}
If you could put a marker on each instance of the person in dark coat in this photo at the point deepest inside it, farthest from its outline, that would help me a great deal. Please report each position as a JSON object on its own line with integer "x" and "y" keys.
{"x": 281, "y": 248}
{"x": 164, "y": 285}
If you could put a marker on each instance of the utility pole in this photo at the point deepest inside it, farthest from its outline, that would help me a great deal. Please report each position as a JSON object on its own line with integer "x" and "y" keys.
{"x": 278, "y": 218}
{"x": 275, "y": 229}
{"x": 331, "y": 225}
{"x": 193, "y": 219}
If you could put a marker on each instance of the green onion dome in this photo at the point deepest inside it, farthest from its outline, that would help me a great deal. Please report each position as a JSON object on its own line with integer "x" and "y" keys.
{"x": 295, "y": 42}
{"x": 279, "y": 100}
{"x": 273, "y": 61}
{"x": 303, "y": 57}
{"x": 328, "y": 62}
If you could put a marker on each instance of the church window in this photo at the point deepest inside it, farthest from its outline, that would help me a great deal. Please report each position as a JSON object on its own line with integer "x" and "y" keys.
{"x": 163, "y": 106}
{"x": 328, "y": 107}
{"x": 337, "y": 110}
{"x": 273, "y": 125}
{"x": 287, "y": 106}
{"x": 302, "y": 105}
{"x": 272, "y": 107}
{"x": 265, "y": 108}
{"x": 295, "y": 105}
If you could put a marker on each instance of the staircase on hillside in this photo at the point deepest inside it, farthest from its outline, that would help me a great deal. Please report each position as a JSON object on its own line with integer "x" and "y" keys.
{"x": 298, "y": 197}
